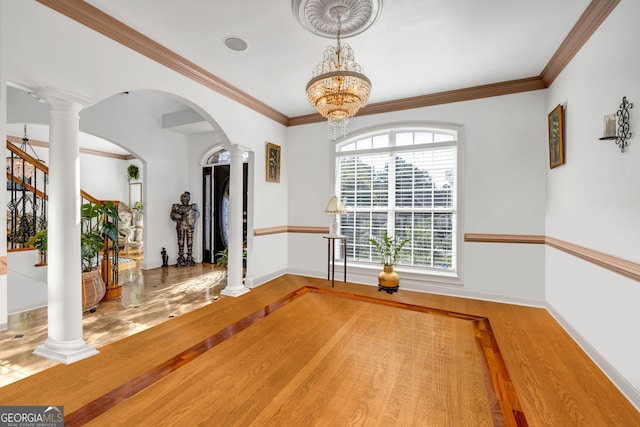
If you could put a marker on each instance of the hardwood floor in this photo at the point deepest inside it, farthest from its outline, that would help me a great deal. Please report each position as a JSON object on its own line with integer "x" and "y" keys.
{"x": 295, "y": 352}
{"x": 148, "y": 299}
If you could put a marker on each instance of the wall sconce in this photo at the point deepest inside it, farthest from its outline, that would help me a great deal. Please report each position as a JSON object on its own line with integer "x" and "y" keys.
{"x": 621, "y": 133}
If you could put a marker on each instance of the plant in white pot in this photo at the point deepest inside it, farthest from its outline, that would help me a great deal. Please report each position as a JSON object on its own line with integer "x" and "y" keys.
{"x": 389, "y": 248}
{"x": 139, "y": 208}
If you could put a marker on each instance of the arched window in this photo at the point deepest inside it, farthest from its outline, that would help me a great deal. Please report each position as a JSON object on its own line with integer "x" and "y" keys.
{"x": 402, "y": 181}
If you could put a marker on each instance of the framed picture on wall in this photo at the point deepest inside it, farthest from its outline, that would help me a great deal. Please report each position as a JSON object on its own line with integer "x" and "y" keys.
{"x": 556, "y": 137}
{"x": 135, "y": 193}
{"x": 273, "y": 162}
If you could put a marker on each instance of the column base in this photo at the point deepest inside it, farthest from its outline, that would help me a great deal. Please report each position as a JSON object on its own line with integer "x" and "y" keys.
{"x": 234, "y": 292}
{"x": 65, "y": 352}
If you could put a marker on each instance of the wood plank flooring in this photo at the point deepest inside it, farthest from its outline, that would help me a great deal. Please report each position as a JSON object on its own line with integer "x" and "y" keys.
{"x": 287, "y": 354}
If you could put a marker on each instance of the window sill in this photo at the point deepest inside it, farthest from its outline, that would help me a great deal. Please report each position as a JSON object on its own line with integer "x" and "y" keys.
{"x": 407, "y": 274}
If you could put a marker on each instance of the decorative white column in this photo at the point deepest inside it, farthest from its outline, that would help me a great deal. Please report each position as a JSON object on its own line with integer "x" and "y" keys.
{"x": 235, "y": 286}
{"x": 65, "y": 342}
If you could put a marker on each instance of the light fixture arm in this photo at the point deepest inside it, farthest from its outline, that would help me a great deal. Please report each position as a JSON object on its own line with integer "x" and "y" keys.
{"x": 338, "y": 45}
{"x": 26, "y": 143}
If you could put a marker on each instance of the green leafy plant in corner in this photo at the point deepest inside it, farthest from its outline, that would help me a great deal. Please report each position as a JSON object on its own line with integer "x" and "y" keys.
{"x": 388, "y": 247}
{"x": 222, "y": 258}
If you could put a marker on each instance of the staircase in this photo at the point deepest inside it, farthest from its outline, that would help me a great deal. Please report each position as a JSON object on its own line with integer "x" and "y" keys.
{"x": 27, "y": 203}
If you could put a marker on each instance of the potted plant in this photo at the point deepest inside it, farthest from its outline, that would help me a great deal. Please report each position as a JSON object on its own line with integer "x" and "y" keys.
{"x": 389, "y": 248}
{"x": 132, "y": 172}
{"x": 39, "y": 241}
{"x": 99, "y": 225}
{"x": 222, "y": 258}
{"x": 139, "y": 208}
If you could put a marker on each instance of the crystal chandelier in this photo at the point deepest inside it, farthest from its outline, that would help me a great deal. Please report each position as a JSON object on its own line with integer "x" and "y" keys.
{"x": 338, "y": 88}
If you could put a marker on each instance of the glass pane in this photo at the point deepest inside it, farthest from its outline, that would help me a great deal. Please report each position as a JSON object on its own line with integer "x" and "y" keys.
{"x": 404, "y": 138}
{"x": 442, "y": 259}
{"x": 381, "y": 141}
{"x": 423, "y": 137}
{"x": 347, "y": 147}
{"x": 442, "y": 137}
{"x": 422, "y": 258}
{"x": 363, "y": 144}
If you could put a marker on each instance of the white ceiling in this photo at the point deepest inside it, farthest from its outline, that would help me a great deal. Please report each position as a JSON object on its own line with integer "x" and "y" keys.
{"x": 416, "y": 47}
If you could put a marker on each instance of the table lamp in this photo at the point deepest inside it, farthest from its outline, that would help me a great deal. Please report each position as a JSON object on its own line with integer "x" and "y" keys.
{"x": 335, "y": 208}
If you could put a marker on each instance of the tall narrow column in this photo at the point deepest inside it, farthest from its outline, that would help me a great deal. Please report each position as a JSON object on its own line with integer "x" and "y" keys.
{"x": 235, "y": 286}
{"x": 65, "y": 342}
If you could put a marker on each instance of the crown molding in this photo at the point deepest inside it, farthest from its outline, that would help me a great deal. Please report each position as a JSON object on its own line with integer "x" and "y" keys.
{"x": 458, "y": 95}
{"x": 106, "y": 25}
{"x": 593, "y": 16}
{"x": 92, "y": 17}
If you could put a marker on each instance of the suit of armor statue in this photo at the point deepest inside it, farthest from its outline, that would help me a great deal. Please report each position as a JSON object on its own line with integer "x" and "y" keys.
{"x": 185, "y": 216}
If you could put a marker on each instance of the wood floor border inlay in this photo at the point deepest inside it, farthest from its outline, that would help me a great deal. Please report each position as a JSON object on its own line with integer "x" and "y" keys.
{"x": 505, "y": 407}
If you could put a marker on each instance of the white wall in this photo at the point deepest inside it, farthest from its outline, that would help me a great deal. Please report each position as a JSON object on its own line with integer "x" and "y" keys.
{"x": 593, "y": 200}
{"x": 83, "y": 62}
{"x": 504, "y": 154}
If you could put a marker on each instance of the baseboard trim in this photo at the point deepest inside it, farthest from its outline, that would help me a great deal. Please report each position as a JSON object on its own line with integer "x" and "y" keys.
{"x": 261, "y": 280}
{"x": 431, "y": 287}
{"x": 625, "y": 387}
{"x": 28, "y": 307}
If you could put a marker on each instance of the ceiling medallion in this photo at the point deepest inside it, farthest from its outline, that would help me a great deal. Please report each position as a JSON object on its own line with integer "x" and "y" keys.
{"x": 318, "y": 16}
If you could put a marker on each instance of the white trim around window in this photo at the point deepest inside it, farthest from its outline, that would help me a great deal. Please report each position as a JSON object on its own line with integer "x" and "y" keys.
{"x": 405, "y": 179}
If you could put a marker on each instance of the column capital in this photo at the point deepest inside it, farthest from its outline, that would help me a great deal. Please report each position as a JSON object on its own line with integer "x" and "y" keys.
{"x": 62, "y": 101}
{"x": 237, "y": 150}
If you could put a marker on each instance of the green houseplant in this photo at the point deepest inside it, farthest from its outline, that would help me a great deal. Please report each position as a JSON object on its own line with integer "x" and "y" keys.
{"x": 98, "y": 223}
{"x": 222, "y": 258}
{"x": 39, "y": 241}
{"x": 139, "y": 208}
{"x": 99, "y": 226}
{"x": 389, "y": 248}
{"x": 132, "y": 172}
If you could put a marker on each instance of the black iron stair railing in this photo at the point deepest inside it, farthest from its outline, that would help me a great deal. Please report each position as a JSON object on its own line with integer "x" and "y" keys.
{"x": 27, "y": 207}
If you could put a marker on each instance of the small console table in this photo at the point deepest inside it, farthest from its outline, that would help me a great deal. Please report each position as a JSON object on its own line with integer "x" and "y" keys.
{"x": 331, "y": 256}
